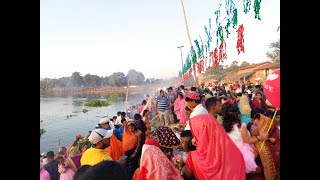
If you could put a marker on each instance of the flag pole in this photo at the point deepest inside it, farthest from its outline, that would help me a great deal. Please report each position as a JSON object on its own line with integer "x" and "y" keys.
{"x": 185, "y": 21}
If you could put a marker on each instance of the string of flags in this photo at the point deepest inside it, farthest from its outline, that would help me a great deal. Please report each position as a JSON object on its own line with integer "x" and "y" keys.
{"x": 202, "y": 54}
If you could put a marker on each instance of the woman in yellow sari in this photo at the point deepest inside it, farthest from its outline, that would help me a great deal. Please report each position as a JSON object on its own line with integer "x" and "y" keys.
{"x": 132, "y": 141}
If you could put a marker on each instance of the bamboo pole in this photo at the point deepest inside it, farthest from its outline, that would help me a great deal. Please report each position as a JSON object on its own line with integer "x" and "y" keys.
{"x": 127, "y": 97}
{"x": 186, "y": 23}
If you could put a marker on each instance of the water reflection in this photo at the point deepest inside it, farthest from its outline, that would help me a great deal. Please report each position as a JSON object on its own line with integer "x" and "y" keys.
{"x": 62, "y": 116}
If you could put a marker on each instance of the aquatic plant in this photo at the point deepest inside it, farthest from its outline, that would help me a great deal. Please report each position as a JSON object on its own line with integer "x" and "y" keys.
{"x": 42, "y": 131}
{"x": 97, "y": 103}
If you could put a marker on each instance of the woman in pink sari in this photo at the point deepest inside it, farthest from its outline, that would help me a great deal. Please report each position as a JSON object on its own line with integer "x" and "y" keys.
{"x": 179, "y": 108}
{"x": 155, "y": 165}
{"x": 216, "y": 156}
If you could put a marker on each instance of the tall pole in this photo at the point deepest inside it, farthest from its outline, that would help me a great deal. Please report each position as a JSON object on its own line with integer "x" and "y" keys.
{"x": 185, "y": 21}
{"x": 180, "y": 47}
{"x": 127, "y": 97}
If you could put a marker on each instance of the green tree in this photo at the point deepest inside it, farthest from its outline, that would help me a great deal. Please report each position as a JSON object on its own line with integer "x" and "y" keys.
{"x": 135, "y": 78}
{"x": 274, "y": 53}
{"x": 215, "y": 72}
{"x": 77, "y": 80}
{"x": 117, "y": 79}
{"x": 244, "y": 64}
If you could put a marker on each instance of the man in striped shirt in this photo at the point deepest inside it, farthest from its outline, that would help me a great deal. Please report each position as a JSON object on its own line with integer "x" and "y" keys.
{"x": 162, "y": 107}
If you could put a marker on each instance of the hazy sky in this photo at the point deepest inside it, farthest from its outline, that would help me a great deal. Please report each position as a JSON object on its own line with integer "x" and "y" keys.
{"x": 101, "y": 37}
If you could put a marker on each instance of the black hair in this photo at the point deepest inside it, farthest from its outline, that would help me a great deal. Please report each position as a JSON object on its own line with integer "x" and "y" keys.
{"x": 239, "y": 94}
{"x": 269, "y": 113}
{"x": 255, "y": 111}
{"x": 114, "y": 117}
{"x": 137, "y": 116}
{"x": 230, "y": 114}
{"x": 186, "y": 133}
{"x": 211, "y": 101}
{"x": 182, "y": 87}
{"x": 50, "y": 154}
{"x": 104, "y": 170}
{"x": 123, "y": 120}
{"x": 82, "y": 169}
{"x": 144, "y": 102}
{"x": 118, "y": 113}
{"x": 123, "y": 113}
{"x": 144, "y": 112}
{"x": 189, "y": 99}
{"x": 193, "y": 88}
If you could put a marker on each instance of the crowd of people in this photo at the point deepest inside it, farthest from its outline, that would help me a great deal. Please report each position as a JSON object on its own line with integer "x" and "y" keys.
{"x": 206, "y": 132}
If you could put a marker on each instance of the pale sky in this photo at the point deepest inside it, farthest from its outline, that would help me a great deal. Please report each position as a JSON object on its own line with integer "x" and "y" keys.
{"x": 101, "y": 37}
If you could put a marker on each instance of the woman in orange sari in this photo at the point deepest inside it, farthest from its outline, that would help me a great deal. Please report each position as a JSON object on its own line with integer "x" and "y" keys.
{"x": 268, "y": 159}
{"x": 115, "y": 150}
{"x": 216, "y": 156}
{"x": 132, "y": 141}
{"x": 146, "y": 120}
{"x": 155, "y": 165}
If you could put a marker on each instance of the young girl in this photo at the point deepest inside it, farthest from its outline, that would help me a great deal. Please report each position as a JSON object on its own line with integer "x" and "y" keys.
{"x": 64, "y": 169}
{"x": 231, "y": 123}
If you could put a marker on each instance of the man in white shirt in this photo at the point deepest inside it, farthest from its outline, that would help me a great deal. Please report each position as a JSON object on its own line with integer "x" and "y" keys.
{"x": 193, "y": 101}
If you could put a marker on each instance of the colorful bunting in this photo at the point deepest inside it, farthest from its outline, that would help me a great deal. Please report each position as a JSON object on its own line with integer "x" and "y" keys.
{"x": 229, "y": 7}
{"x": 222, "y": 52}
{"x": 215, "y": 57}
{"x": 240, "y": 45}
{"x": 220, "y": 34}
{"x": 235, "y": 18}
{"x": 256, "y": 8}
{"x": 226, "y": 27}
{"x": 193, "y": 55}
{"x": 200, "y": 66}
{"x": 246, "y": 6}
{"x": 199, "y": 49}
{"x": 202, "y": 48}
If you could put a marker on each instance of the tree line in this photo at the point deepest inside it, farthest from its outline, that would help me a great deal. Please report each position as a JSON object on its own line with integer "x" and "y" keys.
{"x": 118, "y": 79}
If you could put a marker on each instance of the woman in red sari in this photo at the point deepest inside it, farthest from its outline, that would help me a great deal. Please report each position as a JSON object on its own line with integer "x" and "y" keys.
{"x": 155, "y": 165}
{"x": 216, "y": 156}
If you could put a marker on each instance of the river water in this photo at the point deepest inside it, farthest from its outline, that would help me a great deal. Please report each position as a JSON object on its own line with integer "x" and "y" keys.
{"x": 55, "y": 112}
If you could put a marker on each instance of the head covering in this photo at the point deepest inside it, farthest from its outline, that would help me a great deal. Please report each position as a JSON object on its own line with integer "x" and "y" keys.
{"x": 163, "y": 168}
{"x": 99, "y": 134}
{"x": 104, "y": 120}
{"x": 152, "y": 142}
{"x": 193, "y": 95}
{"x": 167, "y": 138}
{"x": 216, "y": 156}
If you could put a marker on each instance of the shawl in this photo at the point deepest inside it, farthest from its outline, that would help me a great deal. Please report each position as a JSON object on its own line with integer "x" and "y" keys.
{"x": 216, "y": 156}
{"x": 129, "y": 140}
{"x": 115, "y": 150}
{"x": 155, "y": 165}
